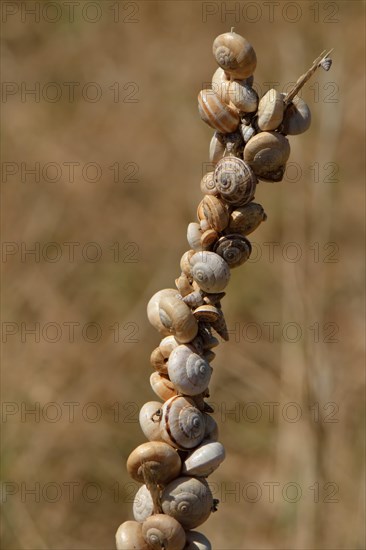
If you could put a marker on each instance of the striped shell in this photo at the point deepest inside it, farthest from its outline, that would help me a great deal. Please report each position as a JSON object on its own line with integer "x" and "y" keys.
{"x": 235, "y": 180}
{"x": 217, "y": 114}
{"x": 182, "y": 424}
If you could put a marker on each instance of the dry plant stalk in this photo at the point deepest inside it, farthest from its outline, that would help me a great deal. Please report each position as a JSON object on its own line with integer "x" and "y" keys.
{"x": 249, "y": 144}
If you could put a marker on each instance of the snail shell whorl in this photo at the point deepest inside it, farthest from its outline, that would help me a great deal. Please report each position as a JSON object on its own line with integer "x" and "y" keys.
{"x": 182, "y": 424}
{"x": 177, "y": 317}
{"x": 234, "y": 249}
{"x": 162, "y": 531}
{"x": 162, "y": 386}
{"x": 162, "y": 460}
{"x": 267, "y": 154}
{"x": 189, "y": 372}
{"x": 217, "y": 114}
{"x": 129, "y": 535}
{"x": 235, "y": 180}
{"x": 143, "y": 505}
{"x": 214, "y": 211}
{"x": 235, "y": 55}
{"x": 208, "y": 186}
{"x": 189, "y": 500}
{"x": 210, "y": 271}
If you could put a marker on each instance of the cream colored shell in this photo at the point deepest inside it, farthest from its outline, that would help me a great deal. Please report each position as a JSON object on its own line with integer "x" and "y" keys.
{"x": 143, "y": 505}
{"x": 245, "y": 219}
{"x": 267, "y": 154}
{"x": 270, "y": 110}
{"x": 129, "y": 536}
{"x": 182, "y": 424}
{"x": 162, "y": 386}
{"x": 161, "y": 460}
{"x": 210, "y": 271}
{"x": 177, "y": 318}
{"x": 189, "y": 372}
{"x": 235, "y": 55}
{"x": 204, "y": 460}
{"x": 163, "y": 532}
{"x": 149, "y": 419}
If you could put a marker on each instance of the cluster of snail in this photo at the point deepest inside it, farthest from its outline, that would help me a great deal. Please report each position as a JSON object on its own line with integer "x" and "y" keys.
{"x": 249, "y": 144}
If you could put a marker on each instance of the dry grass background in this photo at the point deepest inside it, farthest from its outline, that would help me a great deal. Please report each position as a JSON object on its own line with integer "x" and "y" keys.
{"x": 167, "y": 52}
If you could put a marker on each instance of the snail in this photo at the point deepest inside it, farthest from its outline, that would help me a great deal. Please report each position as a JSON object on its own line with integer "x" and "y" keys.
{"x": 208, "y": 184}
{"x": 161, "y": 459}
{"x": 194, "y": 235}
{"x": 216, "y": 150}
{"x": 149, "y": 419}
{"x": 214, "y": 211}
{"x": 220, "y": 84}
{"x": 183, "y": 284}
{"x": 235, "y": 180}
{"x": 210, "y": 271}
{"x": 153, "y": 309}
{"x": 204, "y": 460}
{"x": 270, "y": 110}
{"x": 177, "y": 318}
{"x": 185, "y": 262}
{"x": 267, "y": 154}
{"x": 163, "y": 531}
{"x": 197, "y": 541}
{"x": 143, "y": 505}
{"x": 162, "y": 386}
{"x": 189, "y": 372}
{"x": 245, "y": 219}
{"x": 129, "y": 536}
{"x": 159, "y": 356}
{"x": 234, "y": 249}
{"x": 208, "y": 238}
{"x": 182, "y": 424}
{"x": 217, "y": 114}
{"x": 235, "y": 55}
{"x": 297, "y": 117}
{"x": 242, "y": 96}
{"x": 207, "y": 313}
{"x": 188, "y": 500}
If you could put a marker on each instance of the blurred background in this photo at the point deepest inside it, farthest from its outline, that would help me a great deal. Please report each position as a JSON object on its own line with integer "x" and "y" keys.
{"x": 102, "y": 158}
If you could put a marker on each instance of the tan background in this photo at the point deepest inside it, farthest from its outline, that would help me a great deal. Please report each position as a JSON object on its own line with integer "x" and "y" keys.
{"x": 166, "y": 55}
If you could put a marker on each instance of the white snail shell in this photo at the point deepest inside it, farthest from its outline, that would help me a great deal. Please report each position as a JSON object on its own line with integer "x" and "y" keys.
{"x": 129, "y": 536}
{"x": 210, "y": 271}
{"x": 149, "y": 419}
{"x": 177, "y": 317}
{"x": 182, "y": 424}
{"x": 189, "y": 372}
{"x": 204, "y": 460}
{"x": 194, "y": 235}
{"x": 234, "y": 249}
{"x": 214, "y": 211}
{"x": 267, "y": 154}
{"x": 153, "y": 307}
{"x": 235, "y": 55}
{"x": 270, "y": 110}
{"x": 189, "y": 500}
{"x": 216, "y": 113}
{"x": 235, "y": 180}
{"x": 143, "y": 505}
{"x": 216, "y": 151}
{"x": 162, "y": 461}
{"x": 245, "y": 219}
{"x": 297, "y": 117}
{"x": 197, "y": 541}
{"x": 162, "y": 531}
{"x": 162, "y": 386}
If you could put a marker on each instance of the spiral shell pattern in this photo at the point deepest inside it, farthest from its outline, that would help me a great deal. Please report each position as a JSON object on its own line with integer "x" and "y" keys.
{"x": 143, "y": 505}
{"x": 210, "y": 271}
{"x": 189, "y": 372}
{"x": 235, "y": 180}
{"x": 182, "y": 424}
{"x": 234, "y": 249}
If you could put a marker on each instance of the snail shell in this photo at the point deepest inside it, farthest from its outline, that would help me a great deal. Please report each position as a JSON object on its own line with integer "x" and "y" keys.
{"x": 212, "y": 430}
{"x": 267, "y": 154}
{"x": 243, "y": 96}
{"x": 183, "y": 285}
{"x": 235, "y": 55}
{"x": 204, "y": 459}
{"x": 270, "y": 110}
{"x": 220, "y": 84}
{"x": 208, "y": 184}
{"x": 209, "y": 237}
{"x": 235, "y": 180}
{"x": 297, "y": 117}
{"x": 162, "y": 531}
{"x": 153, "y": 309}
{"x": 194, "y": 235}
{"x": 189, "y": 500}
{"x": 234, "y": 249}
{"x": 217, "y": 114}
{"x": 177, "y": 317}
{"x": 207, "y": 313}
{"x": 210, "y": 271}
{"x": 197, "y": 541}
{"x": 245, "y": 219}
{"x": 159, "y": 356}
{"x": 129, "y": 536}
{"x": 182, "y": 424}
{"x": 214, "y": 211}
{"x": 161, "y": 459}
{"x": 162, "y": 386}
{"x": 149, "y": 419}
{"x": 185, "y": 264}
{"x": 143, "y": 505}
{"x": 189, "y": 372}
{"x": 216, "y": 149}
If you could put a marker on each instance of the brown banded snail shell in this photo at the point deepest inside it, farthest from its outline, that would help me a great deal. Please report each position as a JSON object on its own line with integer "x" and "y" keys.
{"x": 235, "y": 55}
{"x": 189, "y": 500}
{"x": 162, "y": 386}
{"x": 129, "y": 535}
{"x": 235, "y": 180}
{"x": 143, "y": 505}
{"x": 149, "y": 419}
{"x": 267, "y": 154}
{"x": 214, "y": 211}
{"x": 197, "y": 541}
{"x": 204, "y": 460}
{"x": 234, "y": 249}
{"x": 245, "y": 219}
{"x": 210, "y": 271}
{"x": 163, "y": 531}
{"x": 161, "y": 459}
{"x": 297, "y": 117}
{"x": 189, "y": 372}
{"x": 217, "y": 114}
{"x": 270, "y": 110}
{"x": 182, "y": 424}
